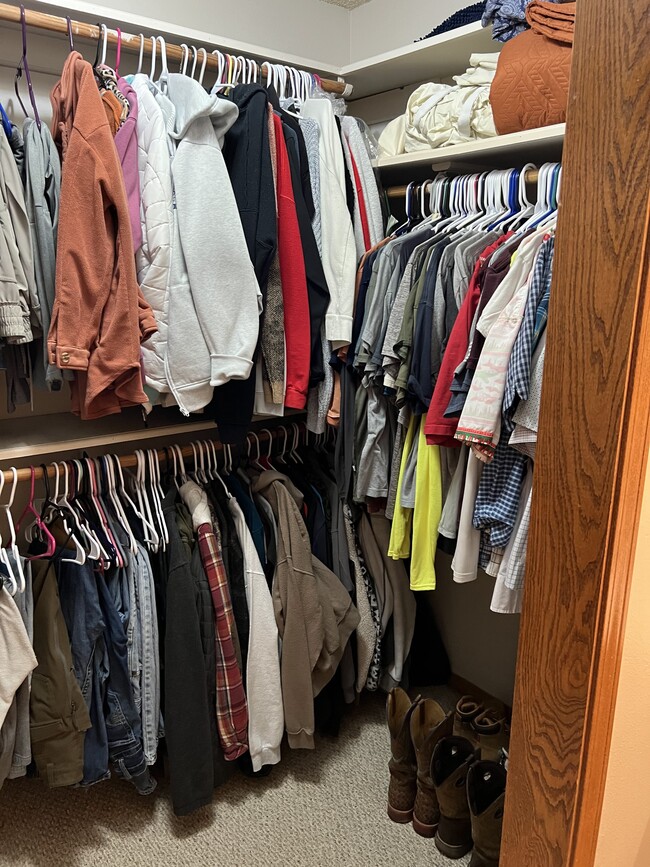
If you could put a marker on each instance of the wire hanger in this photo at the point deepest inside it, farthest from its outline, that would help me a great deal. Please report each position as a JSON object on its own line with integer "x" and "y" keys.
{"x": 118, "y": 52}
{"x": 70, "y": 39}
{"x": 23, "y": 65}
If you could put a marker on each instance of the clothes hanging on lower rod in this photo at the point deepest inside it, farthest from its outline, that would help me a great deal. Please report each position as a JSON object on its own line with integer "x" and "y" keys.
{"x": 194, "y": 616}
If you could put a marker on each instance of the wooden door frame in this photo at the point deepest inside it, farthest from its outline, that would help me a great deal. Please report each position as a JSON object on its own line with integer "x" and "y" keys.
{"x": 592, "y": 451}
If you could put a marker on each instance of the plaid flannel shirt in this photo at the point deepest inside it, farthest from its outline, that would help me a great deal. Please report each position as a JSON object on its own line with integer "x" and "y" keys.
{"x": 232, "y": 708}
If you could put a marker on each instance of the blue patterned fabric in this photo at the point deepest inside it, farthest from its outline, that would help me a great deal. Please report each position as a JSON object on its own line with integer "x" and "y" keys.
{"x": 507, "y": 17}
{"x": 499, "y": 490}
{"x": 533, "y": 323}
{"x": 468, "y": 15}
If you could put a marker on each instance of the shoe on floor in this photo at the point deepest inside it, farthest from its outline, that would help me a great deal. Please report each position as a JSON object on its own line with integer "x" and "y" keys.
{"x": 402, "y": 788}
{"x": 429, "y": 723}
{"x": 450, "y": 763}
{"x": 467, "y": 709}
{"x": 486, "y": 793}
{"x": 492, "y": 731}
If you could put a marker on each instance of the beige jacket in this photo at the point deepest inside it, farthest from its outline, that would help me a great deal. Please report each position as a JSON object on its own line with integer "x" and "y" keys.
{"x": 313, "y": 610}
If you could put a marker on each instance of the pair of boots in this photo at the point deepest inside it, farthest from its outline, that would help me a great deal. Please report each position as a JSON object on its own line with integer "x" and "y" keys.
{"x": 437, "y": 780}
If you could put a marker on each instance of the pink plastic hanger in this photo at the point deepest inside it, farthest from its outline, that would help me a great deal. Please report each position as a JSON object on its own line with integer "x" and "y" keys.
{"x": 43, "y": 530}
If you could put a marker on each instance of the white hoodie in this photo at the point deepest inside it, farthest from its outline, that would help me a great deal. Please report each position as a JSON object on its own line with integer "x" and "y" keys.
{"x": 214, "y": 298}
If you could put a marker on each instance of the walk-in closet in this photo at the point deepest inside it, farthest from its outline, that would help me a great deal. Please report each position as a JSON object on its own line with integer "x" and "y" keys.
{"x": 324, "y": 423}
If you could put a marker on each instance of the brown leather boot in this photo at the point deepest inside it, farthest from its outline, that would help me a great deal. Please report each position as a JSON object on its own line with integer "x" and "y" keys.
{"x": 403, "y": 769}
{"x": 452, "y": 759}
{"x": 467, "y": 709}
{"x": 429, "y": 723}
{"x": 486, "y": 794}
{"x": 493, "y": 733}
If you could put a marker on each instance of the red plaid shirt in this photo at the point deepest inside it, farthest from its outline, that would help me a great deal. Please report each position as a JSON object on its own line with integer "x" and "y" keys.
{"x": 232, "y": 709}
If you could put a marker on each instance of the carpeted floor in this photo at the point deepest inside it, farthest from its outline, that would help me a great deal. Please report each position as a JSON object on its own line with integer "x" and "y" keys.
{"x": 323, "y": 807}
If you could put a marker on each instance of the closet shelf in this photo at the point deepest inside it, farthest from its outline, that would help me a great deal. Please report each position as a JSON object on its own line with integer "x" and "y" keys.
{"x": 433, "y": 59}
{"x": 532, "y": 145}
{"x": 61, "y": 432}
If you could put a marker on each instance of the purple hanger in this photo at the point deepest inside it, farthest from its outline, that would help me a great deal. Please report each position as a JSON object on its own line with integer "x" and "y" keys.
{"x": 19, "y": 71}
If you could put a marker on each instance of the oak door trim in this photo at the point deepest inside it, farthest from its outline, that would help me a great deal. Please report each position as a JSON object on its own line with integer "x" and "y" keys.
{"x": 592, "y": 451}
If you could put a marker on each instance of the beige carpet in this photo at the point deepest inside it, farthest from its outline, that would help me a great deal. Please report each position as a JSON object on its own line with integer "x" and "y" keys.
{"x": 324, "y": 807}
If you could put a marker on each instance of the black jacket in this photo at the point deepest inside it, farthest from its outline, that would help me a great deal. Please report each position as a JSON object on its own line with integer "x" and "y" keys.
{"x": 247, "y": 155}
{"x": 317, "y": 289}
{"x": 188, "y": 732}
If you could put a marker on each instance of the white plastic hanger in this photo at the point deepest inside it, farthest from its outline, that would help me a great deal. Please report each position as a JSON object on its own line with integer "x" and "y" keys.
{"x": 204, "y": 63}
{"x": 195, "y": 55}
{"x": 11, "y": 578}
{"x": 219, "y": 83}
{"x": 120, "y": 514}
{"x": 143, "y": 501}
{"x": 140, "y": 55}
{"x": 75, "y": 532}
{"x": 186, "y": 56}
{"x": 97, "y": 551}
{"x": 296, "y": 440}
{"x": 157, "y": 496}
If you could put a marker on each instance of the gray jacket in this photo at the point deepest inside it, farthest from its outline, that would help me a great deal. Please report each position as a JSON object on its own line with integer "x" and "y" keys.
{"x": 42, "y": 194}
{"x": 19, "y": 307}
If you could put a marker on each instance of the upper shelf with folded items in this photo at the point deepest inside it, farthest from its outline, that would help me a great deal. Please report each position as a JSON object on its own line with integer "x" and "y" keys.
{"x": 433, "y": 59}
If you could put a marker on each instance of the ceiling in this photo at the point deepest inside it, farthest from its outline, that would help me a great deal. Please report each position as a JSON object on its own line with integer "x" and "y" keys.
{"x": 346, "y": 4}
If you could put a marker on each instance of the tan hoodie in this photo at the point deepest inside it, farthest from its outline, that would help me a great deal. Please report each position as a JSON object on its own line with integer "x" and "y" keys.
{"x": 313, "y": 610}
{"x": 99, "y": 317}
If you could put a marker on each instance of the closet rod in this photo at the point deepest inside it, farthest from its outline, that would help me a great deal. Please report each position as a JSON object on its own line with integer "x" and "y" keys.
{"x": 264, "y": 436}
{"x": 58, "y": 24}
{"x": 400, "y": 192}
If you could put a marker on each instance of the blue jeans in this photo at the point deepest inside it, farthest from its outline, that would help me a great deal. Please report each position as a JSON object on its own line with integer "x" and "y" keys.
{"x": 143, "y": 650}
{"x": 123, "y": 726}
{"x": 83, "y": 617}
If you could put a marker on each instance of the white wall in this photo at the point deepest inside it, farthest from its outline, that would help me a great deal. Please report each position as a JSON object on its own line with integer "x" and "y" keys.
{"x": 382, "y": 25}
{"x": 303, "y": 28}
{"x": 624, "y": 836}
{"x": 482, "y": 645}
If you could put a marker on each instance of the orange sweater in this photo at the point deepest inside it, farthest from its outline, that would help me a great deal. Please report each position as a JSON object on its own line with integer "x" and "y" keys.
{"x": 99, "y": 317}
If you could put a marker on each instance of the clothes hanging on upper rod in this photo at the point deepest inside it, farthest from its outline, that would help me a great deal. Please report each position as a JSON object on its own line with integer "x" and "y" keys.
{"x": 204, "y": 192}
{"x": 445, "y": 351}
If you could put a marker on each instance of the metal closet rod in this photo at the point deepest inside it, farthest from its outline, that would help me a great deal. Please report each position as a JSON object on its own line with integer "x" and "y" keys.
{"x": 58, "y": 24}
{"x": 264, "y": 436}
{"x": 400, "y": 192}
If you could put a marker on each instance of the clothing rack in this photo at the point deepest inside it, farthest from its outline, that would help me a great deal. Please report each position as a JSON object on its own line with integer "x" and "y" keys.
{"x": 399, "y": 192}
{"x": 261, "y": 437}
{"x": 58, "y": 24}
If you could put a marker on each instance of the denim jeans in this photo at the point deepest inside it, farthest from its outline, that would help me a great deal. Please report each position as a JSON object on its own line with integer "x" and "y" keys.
{"x": 83, "y": 617}
{"x": 143, "y": 650}
{"x": 123, "y": 726}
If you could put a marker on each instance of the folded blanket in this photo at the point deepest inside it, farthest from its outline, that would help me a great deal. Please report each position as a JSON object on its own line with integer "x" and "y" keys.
{"x": 507, "y": 17}
{"x": 555, "y": 21}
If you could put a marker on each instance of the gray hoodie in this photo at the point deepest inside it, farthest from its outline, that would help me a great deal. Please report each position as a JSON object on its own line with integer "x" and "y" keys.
{"x": 214, "y": 298}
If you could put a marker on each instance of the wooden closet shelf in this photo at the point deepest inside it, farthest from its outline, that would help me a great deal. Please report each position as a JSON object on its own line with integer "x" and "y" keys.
{"x": 532, "y": 145}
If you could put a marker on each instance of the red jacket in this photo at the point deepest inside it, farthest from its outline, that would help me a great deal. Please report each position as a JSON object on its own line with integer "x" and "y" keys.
{"x": 439, "y": 430}
{"x": 294, "y": 282}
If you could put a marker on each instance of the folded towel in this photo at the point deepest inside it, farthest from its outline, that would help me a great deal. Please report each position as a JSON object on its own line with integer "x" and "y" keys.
{"x": 555, "y": 21}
